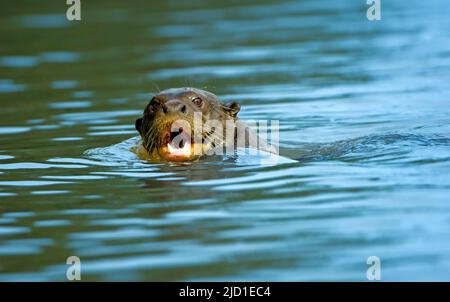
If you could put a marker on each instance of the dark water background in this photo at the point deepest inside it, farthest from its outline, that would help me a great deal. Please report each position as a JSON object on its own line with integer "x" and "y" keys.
{"x": 364, "y": 105}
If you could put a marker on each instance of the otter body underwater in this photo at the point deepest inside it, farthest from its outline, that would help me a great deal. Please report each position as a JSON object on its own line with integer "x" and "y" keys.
{"x": 185, "y": 124}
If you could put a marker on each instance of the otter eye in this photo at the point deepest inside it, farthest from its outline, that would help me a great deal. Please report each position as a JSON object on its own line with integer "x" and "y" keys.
{"x": 198, "y": 101}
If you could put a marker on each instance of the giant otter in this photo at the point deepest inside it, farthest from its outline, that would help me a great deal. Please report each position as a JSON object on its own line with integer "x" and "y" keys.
{"x": 184, "y": 124}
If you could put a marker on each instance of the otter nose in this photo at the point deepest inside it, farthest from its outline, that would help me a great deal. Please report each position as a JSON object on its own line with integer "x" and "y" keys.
{"x": 174, "y": 106}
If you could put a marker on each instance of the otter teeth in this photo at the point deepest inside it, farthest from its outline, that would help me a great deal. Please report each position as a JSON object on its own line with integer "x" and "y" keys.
{"x": 185, "y": 150}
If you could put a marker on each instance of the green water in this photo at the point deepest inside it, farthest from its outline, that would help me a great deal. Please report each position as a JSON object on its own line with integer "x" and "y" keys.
{"x": 363, "y": 106}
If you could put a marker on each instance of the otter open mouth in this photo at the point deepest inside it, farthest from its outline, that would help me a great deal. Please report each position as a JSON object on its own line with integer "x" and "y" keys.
{"x": 177, "y": 146}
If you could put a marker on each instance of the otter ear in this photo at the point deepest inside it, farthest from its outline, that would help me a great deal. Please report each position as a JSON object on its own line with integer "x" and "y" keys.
{"x": 232, "y": 108}
{"x": 138, "y": 124}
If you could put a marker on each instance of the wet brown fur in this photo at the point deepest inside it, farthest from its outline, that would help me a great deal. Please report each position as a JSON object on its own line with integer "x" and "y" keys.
{"x": 180, "y": 104}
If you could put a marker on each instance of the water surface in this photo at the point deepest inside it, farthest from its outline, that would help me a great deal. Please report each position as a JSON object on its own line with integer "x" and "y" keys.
{"x": 363, "y": 106}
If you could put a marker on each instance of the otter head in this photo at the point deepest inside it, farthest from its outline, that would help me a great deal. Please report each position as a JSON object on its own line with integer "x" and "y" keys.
{"x": 174, "y": 123}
